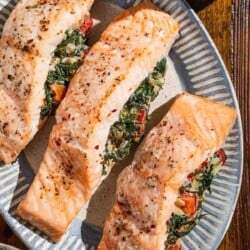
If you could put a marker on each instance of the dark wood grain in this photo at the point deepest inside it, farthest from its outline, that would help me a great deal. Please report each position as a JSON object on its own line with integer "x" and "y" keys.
{"x": 238, "y": 235}
{"x": 229, "y": 25}
{"x": 8, "y": 237}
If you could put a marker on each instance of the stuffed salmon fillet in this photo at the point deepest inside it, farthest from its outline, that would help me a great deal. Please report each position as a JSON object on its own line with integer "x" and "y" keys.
{"x": 148, "y": 189}
{"x": 121, "y": 74}
{"x": 33, "y": 69}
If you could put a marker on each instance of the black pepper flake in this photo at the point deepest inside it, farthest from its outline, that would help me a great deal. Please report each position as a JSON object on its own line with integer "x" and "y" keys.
{"x": 118, "y": 230}
{"x": 30, "y": 41}
{"x": 168, "y": 140}
{"x": 58, "y": 143}
{"x": 164, "y": 123}
{"x": 25, "y": 48}
{"x": 11, "y": 77}
{"x": 97, "y": 147}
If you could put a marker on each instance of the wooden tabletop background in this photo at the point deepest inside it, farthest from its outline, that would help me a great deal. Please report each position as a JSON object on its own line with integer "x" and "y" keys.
{"x": 228, "y": 23}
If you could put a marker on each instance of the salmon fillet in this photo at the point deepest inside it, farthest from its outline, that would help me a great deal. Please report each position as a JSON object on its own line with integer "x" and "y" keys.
{"x": 71, "y": 170}
{"x": 30, "y": 35}
{"x": 191, "y": 131}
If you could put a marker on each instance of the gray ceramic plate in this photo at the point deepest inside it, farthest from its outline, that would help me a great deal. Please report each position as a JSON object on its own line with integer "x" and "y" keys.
{"x": 194, "y": 65}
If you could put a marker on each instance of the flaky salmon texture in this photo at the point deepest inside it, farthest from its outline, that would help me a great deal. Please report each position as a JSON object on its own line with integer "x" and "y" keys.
{"x": 30, "y": 35}
{"x": 191, "y": 131}
{"x": 72, "y": 167}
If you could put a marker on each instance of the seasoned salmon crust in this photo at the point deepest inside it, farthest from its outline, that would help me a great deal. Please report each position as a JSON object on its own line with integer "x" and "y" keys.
{"x": 29, "y": 37}
{"x": 72, "y": 168}
{"x": 191, "y": 131}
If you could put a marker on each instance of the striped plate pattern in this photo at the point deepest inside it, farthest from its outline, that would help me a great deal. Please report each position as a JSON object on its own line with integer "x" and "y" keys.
{"x": 202, "y": 72}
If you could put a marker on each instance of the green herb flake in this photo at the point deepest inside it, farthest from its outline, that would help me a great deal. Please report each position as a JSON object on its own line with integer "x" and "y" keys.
{"x": 35, "y": 6}
{"x": 179, "y": 226}
{"x": 72, "y": 45}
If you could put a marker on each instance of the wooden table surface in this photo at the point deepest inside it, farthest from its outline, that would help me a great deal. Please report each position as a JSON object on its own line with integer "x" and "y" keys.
{"x": 228, "y": 23}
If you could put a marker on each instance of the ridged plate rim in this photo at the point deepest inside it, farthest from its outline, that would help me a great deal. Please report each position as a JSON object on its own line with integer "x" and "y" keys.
{"x": 182, "y": 10}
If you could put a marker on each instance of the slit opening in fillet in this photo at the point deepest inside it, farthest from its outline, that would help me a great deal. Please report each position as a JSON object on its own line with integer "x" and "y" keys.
{"x": 66, "y": 59}
{"x": 188, "y": 211}
{"x": 130, "y": 126}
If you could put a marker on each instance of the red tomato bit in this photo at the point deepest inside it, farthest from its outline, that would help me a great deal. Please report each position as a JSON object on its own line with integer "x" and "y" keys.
{"x": 221, "y": 154}
{"x": 142, "y": 116}
{"x": 176, "y": 246}
{"x": 191, "y": 203}
{"x": 190, "y": 177}
{"x": 204, "y": 164}
{"x": 86, "y": 25}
